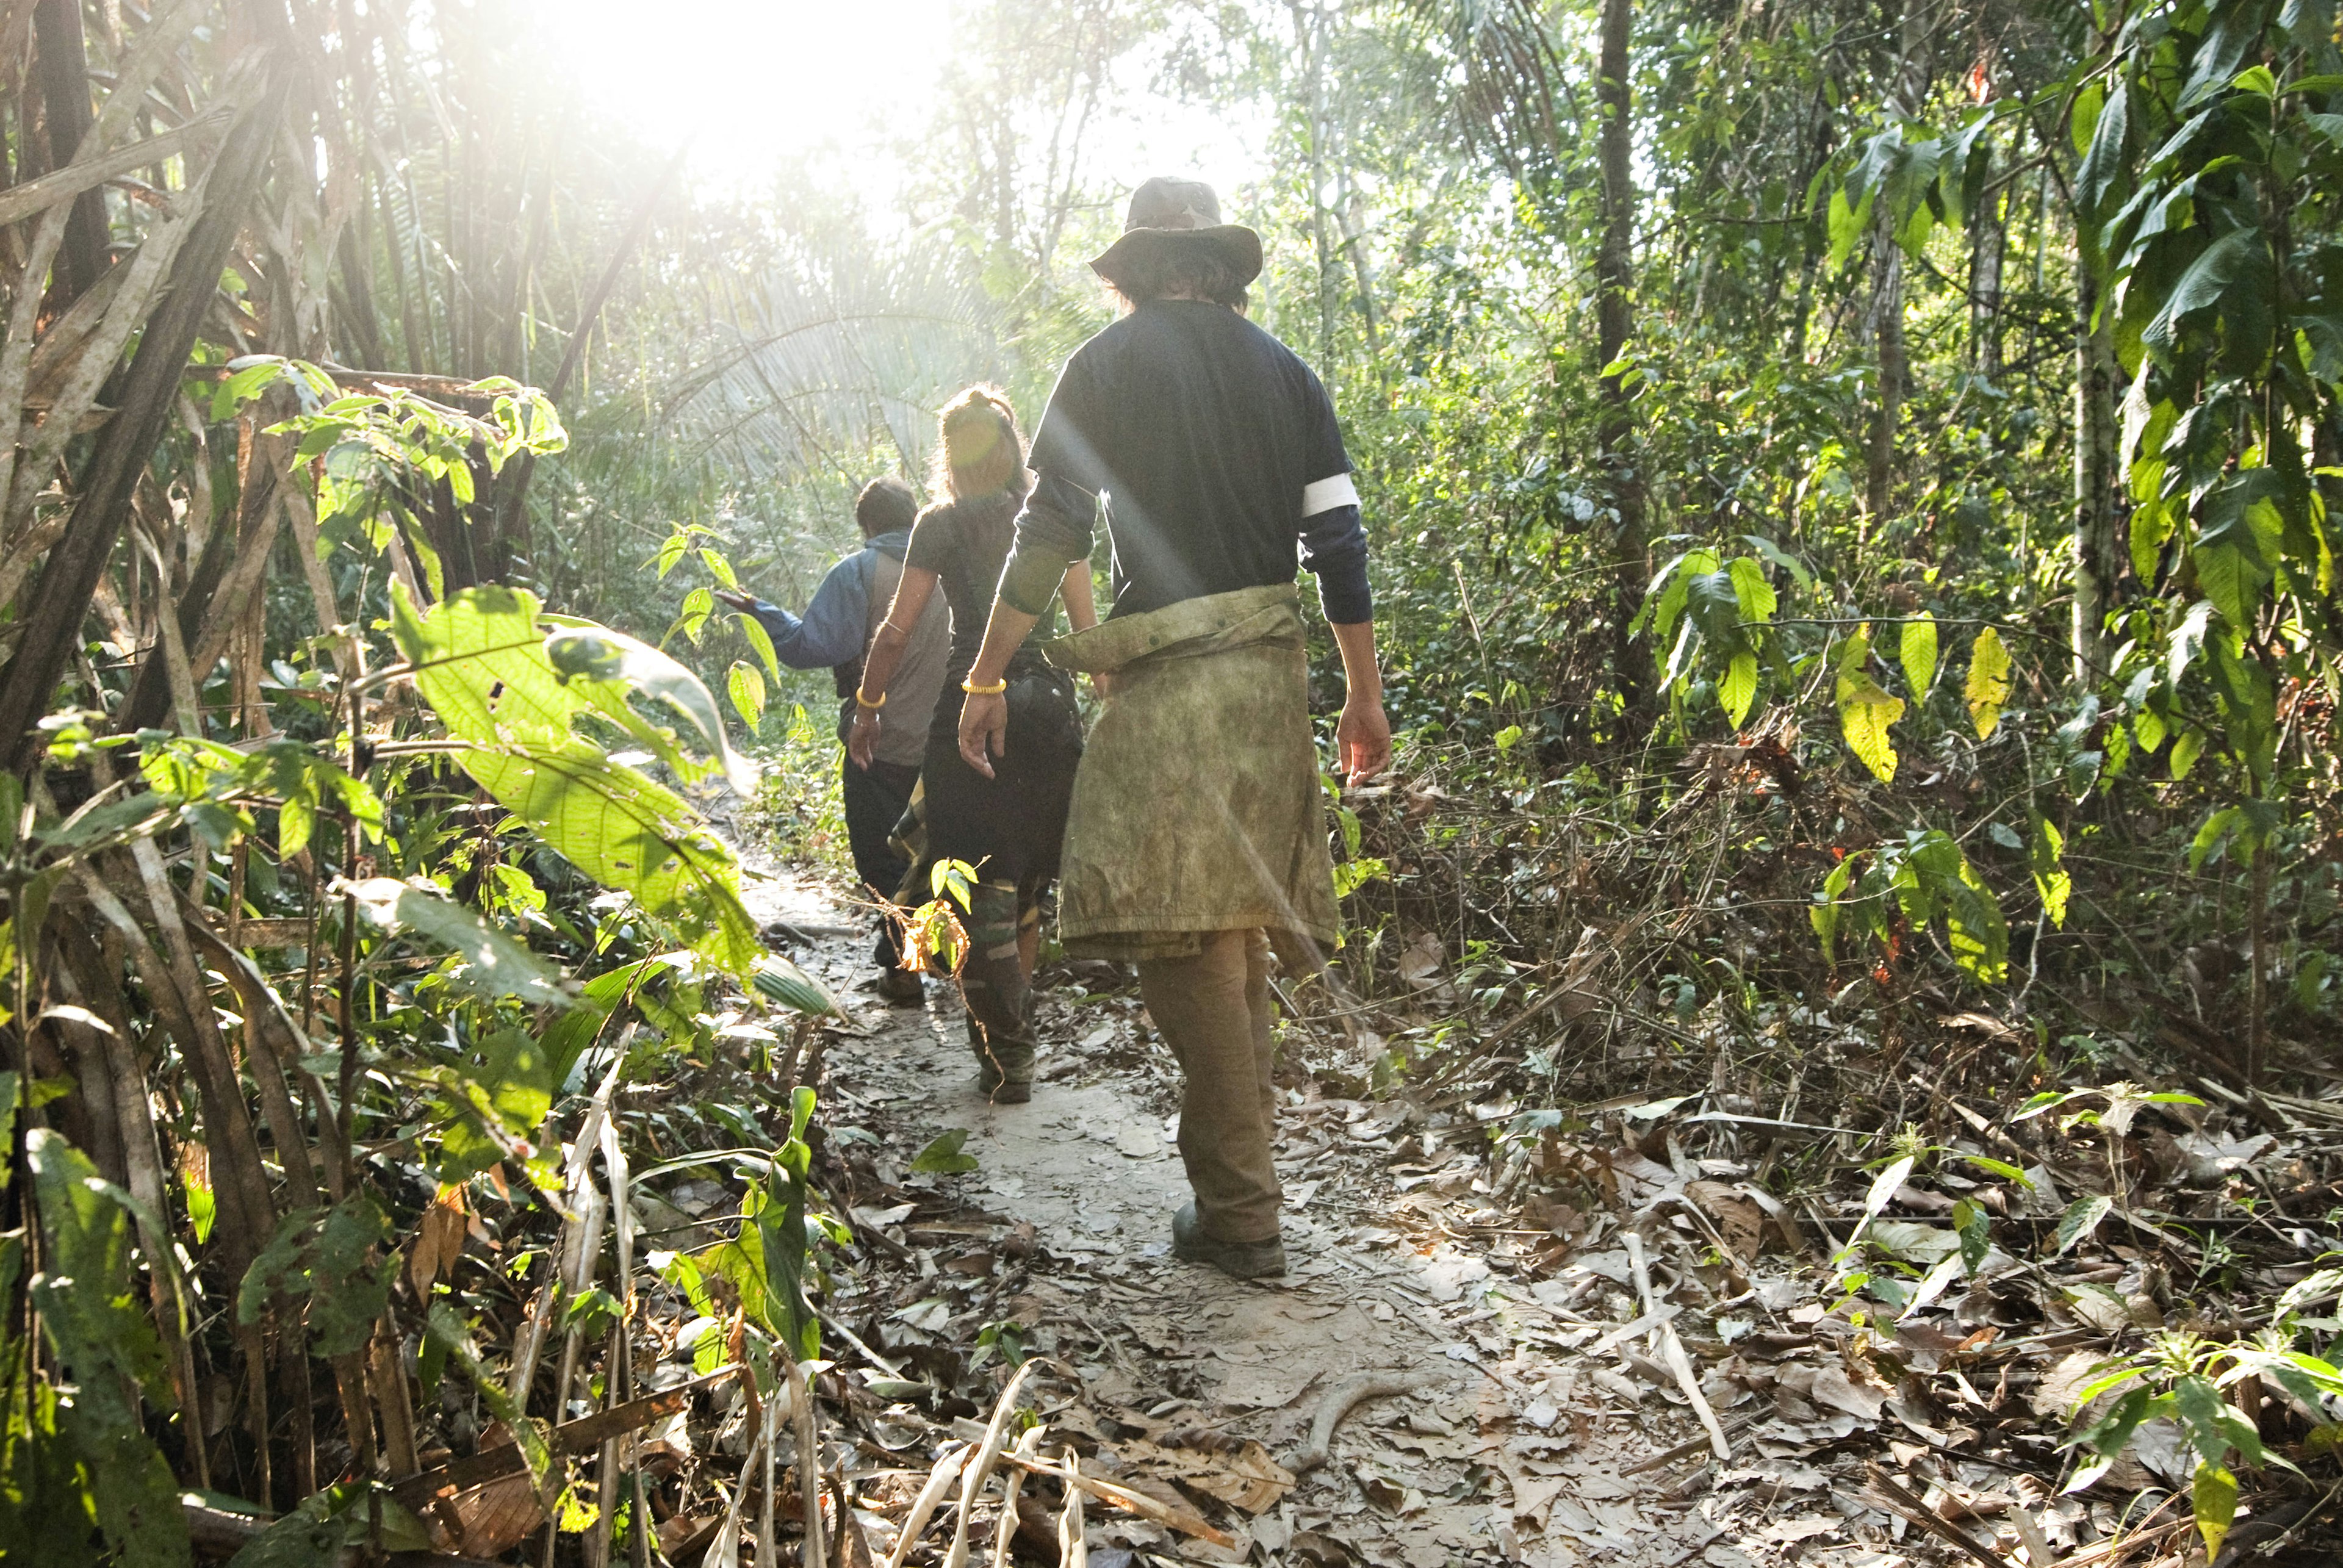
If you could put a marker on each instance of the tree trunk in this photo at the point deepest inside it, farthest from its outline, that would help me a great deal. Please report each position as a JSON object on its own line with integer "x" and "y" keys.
{"x": 2096, "y": 549}
{"x": 1989, "y": 240}
{"x": 57, "y": 604}
{"x": 1310, "y": 33}
{"x": 1888, "y": 339}
{"x": 1905, "y": 94}
{"x": 1615, "y": 280}
{"x": 63, "y": 70}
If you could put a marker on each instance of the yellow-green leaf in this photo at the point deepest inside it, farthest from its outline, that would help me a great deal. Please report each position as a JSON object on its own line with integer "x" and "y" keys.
{"x": 2047, "y": 855}
{"x": 1738, "y": 689}
{"x": 2185, "y": 750}
{"x": 2148, "y": 725}
{"x": 1988, "y": 683}
{"x": 1866, "y": 710}
{"x": 746, "y": 685}
{"x": 2215, "y": 1497}
{"x": 1918, "y": 654}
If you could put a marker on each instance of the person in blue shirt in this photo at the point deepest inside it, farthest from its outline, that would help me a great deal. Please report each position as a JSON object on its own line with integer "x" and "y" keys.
{"x": 835, "y": 633}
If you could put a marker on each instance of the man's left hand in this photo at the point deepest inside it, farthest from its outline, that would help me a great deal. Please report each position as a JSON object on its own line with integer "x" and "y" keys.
{"x": 1361, "y": 738}
{"x": 984, "y": 730}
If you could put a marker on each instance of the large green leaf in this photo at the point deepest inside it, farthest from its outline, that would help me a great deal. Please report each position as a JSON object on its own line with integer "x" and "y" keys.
{"x": 324, "y": 1254}
{"x": 1916, "y": 651}
{"x": 2228, "y": 270}
{"x": 329, "y": 1524}
{"x": 629, "y": 833}
{"x": 603, "y": 665}
{"x": 1866, "y": 710}
{"x": 495, "y": 965}
{"x": 784, "y": 982}
{"x": 105, "y": 1346}
{"x": 479, "y": 660}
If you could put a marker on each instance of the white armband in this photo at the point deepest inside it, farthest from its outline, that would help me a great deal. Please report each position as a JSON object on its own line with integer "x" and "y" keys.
{"x": 1325, "y": 494}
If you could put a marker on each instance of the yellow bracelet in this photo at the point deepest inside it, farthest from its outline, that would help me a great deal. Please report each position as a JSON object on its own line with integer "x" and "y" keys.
{"x": 995, "y": 689}
{"x": 868, "y": 705}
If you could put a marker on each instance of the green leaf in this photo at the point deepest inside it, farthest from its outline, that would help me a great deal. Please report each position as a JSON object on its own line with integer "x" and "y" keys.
{"x": 95, "y": 1319}
{"x": 2082, "y": 1217}
{"x": 2001, "y": 1168}
{"x": 1866, "y": 710}
{"x": 1917, "y": 650}
{"x": 943, "y": 1156}
{"x": 2215, "y": 828}
{"x": 1738, "y": 689}
{"x": 2213, "y": 1425}
{"x": 745, "y": 684}
{"x": 698, "y": 606}
{"x": 607, "y": 663}
{"x": 784, "y": 982}
{"x": 761, "y": 640}
{"x": 1755, "y": 596}
{"x": 2110, "y": 1435}
{"x": 329, "y": 1524}
{"x": 627, "y": 832}
{"x": 2186, "y": 751}
{"x": 494, "y": 965}
{"x": 1987, "y": 687}
{"x": 321, "y": 1253}
{"x": 2228, "y": 271}
{"x": 1975, "y": 1228}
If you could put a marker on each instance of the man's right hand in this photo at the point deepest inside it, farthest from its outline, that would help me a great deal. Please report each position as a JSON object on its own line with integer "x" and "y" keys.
{"x": 1364, "y": 738}
{"x": 745, "y": 602}
{"x": 862, "y": 738}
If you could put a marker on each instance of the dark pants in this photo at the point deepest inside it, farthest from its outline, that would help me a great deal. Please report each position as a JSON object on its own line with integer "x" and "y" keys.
{"x": 876, "y": 798}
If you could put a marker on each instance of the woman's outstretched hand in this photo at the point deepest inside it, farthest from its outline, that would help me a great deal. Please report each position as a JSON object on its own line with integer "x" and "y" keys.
{"x": 983, "y": 730}
{"x": 863, "y": 737}
{"x": 738, "y": 599}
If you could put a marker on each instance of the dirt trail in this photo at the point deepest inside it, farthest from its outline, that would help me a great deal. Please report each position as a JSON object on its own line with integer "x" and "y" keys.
{"x": 1508, "y": 1454}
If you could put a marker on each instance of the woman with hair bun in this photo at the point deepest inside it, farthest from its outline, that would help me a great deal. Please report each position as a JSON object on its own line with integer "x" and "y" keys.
{"x": 1007, "y": 822}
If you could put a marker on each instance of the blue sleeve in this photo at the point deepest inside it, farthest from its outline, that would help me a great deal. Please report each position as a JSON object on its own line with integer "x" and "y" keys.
{"x": 830, "y": 634}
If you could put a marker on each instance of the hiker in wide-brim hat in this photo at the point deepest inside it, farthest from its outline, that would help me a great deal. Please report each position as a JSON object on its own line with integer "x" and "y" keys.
{"x": 1196, "y": 840}
{"x": 1173, "y": 227}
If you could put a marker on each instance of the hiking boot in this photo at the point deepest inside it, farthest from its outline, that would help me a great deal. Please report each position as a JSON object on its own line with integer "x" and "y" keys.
{"x": 900, "y": 987}
{"x": 1004, "y": 1074}
{"x": 1239, "y": 1260}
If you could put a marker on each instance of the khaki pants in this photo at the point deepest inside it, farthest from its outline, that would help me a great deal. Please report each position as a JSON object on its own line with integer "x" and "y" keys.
{"x": 1213, "y": 1011}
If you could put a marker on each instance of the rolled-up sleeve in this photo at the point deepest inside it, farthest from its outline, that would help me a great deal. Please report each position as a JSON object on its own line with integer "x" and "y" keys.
{"x": 1060, "y": 518}
{"x": 1333, "y": 537}
{"x": 1335, "y": 550}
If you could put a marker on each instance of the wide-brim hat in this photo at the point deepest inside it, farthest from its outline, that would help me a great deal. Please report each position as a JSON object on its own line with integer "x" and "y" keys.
{"x": 1169, "y": 215}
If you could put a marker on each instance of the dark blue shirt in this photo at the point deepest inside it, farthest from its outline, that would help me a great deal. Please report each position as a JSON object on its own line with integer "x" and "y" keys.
{"x": 1213, "y": 453}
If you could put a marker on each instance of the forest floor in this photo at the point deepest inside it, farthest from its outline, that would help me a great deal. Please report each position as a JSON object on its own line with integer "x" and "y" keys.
{"x": 1536, "y": 1432}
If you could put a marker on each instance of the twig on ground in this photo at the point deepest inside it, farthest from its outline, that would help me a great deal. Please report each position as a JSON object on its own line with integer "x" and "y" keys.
{"x": 1129, "y": 1502}
{"x": 1074, "y": 1542}
{"x": 809, "y": 1442}
{"x": 1337, "y": 1404}
{"x": 949, "y": 1464}
{"x": 1028, "y": 1447}
{"x": 1672, "y": 1351}
{"x": 1920, "y": 1513}
{"x": 980, "y": 1467}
